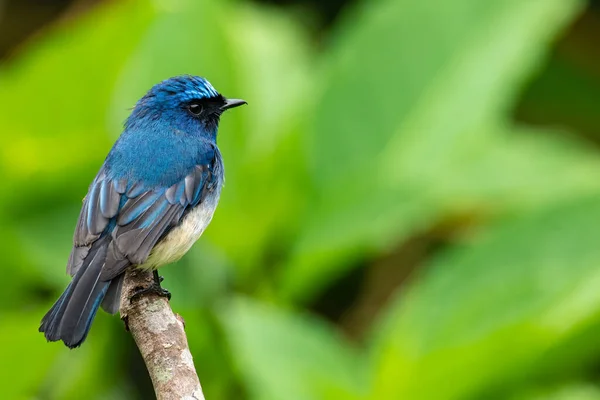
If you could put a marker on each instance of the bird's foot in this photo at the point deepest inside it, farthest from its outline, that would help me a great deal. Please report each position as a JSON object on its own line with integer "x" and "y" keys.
{"x": 154, "y": 288}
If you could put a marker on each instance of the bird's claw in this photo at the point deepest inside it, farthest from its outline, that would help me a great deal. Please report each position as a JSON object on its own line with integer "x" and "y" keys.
{"x": 154, "y": 288}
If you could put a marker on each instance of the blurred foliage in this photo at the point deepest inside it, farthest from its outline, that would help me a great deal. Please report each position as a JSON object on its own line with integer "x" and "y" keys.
{"x": 398, "y": 122}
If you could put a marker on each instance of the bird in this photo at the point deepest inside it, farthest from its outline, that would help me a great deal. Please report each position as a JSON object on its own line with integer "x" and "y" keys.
{"x": 153, "y": 197}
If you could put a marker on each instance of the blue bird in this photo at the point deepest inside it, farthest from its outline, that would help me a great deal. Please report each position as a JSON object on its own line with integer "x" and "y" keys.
{"x": 151, "y": 200}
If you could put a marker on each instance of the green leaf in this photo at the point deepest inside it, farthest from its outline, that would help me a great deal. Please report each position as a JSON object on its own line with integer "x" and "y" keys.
{"x": 486, "y": 312}
{"x": 17, "y": 269}
{"x": 46, "y": 242}
{"x": 26, "y": 354}
{"x": 518, "y": 169}
{"x": 36, "y": 368}
{"x": 572, "y": 391}
{"x": 285, "y": 356}
{"x": 266, "y": 179}
{"x": 412, "y": 91}
{"x": 92, "y": 371}
{"x": 565, "y": 93}
{"x": 441, "y": 72}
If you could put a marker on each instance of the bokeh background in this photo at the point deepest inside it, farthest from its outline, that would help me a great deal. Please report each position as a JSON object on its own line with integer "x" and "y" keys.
{"x": 412, "y": 205}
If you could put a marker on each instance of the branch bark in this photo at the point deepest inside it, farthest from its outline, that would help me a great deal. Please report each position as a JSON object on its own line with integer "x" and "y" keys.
{"x": 160, "y": 337}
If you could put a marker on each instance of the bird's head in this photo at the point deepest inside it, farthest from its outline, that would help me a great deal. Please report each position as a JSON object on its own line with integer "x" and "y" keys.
{"x": 188, "y": 103}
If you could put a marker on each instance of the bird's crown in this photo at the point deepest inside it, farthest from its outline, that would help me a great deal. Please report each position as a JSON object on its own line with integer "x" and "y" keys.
{"x": 180, "y": 89}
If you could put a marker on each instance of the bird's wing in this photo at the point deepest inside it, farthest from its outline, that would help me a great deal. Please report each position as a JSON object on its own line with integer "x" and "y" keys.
{"x": 135, "y": 218}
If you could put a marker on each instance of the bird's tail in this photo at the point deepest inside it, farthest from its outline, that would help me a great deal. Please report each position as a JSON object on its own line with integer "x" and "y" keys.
{"x": 70, "y": 318}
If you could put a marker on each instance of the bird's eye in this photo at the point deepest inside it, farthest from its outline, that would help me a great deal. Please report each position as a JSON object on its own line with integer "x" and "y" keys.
{"x": 195, "y": 108}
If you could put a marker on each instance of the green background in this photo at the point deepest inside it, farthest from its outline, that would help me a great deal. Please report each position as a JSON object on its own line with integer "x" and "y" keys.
{"x": 411, "y": 208}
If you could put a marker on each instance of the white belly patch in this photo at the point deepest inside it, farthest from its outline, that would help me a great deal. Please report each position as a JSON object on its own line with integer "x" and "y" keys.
{"x": 173, "y": 246}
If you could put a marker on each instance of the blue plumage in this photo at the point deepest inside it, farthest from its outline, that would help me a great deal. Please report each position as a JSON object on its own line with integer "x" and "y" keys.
{"x": 151, "y": 200}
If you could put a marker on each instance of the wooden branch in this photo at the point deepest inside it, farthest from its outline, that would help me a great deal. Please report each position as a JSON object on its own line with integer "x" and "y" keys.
{"x": 160, "y": 337}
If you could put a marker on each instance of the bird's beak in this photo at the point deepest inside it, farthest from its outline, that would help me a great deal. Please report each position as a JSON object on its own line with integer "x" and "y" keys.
{"x": 231, "y": 103}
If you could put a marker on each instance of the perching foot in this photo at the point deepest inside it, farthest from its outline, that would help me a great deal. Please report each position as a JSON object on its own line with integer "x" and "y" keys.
{"x": 154, "y": 288}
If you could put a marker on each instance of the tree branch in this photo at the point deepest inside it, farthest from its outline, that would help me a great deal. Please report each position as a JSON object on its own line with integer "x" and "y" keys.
{"x": 160, "y": 336}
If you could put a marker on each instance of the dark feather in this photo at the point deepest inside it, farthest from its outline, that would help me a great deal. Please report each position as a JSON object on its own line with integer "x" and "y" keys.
{"x": 109, "y": 199}
{"x": 71, "y": 316}
{"x": 135, "y": 190}
{"x": 196, "y": 179}
{"x": 120, "y": 185}
{"x": 135, "y": 207}
{"x": 146, "y": 219}
{"x": 82, "y": 235}
{"x": 176, "y": 193}
{"x": 99, "y": 207}
{"x": 96, "y": 222}
{"x": 78, "y": 254}
{"x": 136, "y": 240}
{"x": 112, "y": 299}
{"x": 85, "y": 300}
